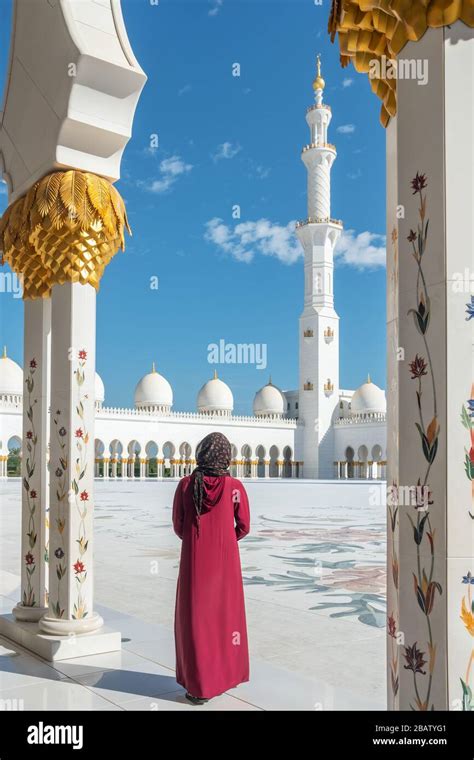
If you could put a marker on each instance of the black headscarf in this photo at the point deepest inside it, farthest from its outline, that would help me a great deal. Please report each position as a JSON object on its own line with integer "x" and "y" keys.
{"x": 213, "y": 455}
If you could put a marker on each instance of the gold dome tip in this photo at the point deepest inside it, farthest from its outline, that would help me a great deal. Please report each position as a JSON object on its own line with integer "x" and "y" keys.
{"x": 215, "y": 375}
{"x": 153, "y": 368}
{"x": 368, "y": 379}
{"x": 4, "y": 352}
{"x": 318, "y": 82}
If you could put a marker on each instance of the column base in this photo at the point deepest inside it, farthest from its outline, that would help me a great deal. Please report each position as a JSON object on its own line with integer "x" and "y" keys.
{"x": 55, "y": 647}
{"x": 58, "y": 627}
{"x": 28, "y": 614}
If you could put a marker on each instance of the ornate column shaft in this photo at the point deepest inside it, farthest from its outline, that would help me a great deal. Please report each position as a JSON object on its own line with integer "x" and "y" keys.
{"x": 72, "y": 460}
{"x": 430, "y": 397}
{"x": 34, "y": 469}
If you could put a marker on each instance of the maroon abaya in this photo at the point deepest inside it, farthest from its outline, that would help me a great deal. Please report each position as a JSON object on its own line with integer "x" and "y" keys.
{"x": 210, "y": 627}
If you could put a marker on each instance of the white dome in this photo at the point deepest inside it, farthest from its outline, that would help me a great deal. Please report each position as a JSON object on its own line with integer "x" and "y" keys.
{"x": 269, "y": 401}
{"x": 11, "y": 377}
{"x": 154, "y": 392}
{"x": 368, "y": 399}
{"x": 215, "y": 397}
{"x": 99, "y": 390}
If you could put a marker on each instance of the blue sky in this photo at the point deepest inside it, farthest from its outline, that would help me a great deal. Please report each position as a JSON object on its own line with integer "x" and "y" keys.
{"x": 226, "y": 140}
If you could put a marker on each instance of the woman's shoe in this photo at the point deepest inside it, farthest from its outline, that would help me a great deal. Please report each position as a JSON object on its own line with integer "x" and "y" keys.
{"x": 195, "y": 700}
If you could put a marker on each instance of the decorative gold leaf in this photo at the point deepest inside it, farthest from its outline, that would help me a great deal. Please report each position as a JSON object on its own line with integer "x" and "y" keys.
{"x": 109, "y": 220}
{"x": 99, "y": 192}
{"x": 47, "y": 192}
{"x": 85, "y": 212}
{"x": 57, "y": 213}
{"x": 72, "y": 190}
{"x": 117, "y": 204}
{"x": 29, "y": 200}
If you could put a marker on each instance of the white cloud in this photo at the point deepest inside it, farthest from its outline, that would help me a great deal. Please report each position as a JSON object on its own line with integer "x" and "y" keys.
{"x": 226, "y": 150}
{"x": 170, "y": 169}
{"x": 186, "y": 88}
{"x": 216, "y": 6}
{"x": 250, "y": 238}
{"x": 363, "y": 251}
{"x": 347, "y": 82}
{"x": 346, "y": 129}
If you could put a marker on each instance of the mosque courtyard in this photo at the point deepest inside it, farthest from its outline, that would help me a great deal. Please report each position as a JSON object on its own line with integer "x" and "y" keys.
{"x": 314, "y": 580}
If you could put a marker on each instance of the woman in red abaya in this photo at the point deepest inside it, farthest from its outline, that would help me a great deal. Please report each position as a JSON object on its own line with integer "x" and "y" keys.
{"x": 210, "y": 514}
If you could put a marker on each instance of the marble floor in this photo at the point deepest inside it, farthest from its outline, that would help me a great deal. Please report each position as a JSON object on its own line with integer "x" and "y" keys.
{"x": 314, "y": 589}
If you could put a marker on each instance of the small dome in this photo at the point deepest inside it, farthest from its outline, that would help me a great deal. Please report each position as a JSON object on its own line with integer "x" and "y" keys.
{"x": 99, "y": 390}
{"x": 368, "y": 399}
{"x": 215, "y": 397}
{"x": 269, "y": 401}
{"x": 154, "y": 392}
{"x": 11, "y": 377}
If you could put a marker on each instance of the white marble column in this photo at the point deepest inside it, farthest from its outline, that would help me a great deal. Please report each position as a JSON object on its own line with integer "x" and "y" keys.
{"x": 34, "y": 470}
{"x": 430, "y": 363}
{"x": 73, "y": 314}
{"x": 106, "y": 468}
{"x": 159, "y": 468}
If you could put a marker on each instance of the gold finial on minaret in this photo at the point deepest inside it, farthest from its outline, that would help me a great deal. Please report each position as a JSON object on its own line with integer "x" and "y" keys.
{"x": 318, "y": 83}
{"x": 4, "y": 352}
{"x": 270, "y": 380}
{"x": 368, "y": 378}
{"x": 215, "y": 374}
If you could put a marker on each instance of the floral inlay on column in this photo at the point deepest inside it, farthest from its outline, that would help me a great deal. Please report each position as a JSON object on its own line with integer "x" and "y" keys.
{"x": 394, "y": 675}
{"x": 61, "y": 475}
{"x": 81, "y": 496}
{"x": 29, "y": 599}
{"x": 467, "y": 616}
{"x": 467, "y": 418}
{"x": 427, "y": 425}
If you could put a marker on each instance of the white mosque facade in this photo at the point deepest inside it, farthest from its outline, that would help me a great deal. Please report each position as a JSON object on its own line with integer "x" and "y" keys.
{"x": 316, "y": 431}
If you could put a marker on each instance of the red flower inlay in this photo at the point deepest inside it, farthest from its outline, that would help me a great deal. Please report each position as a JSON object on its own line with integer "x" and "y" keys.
{"x": 33, "y": 364}
{"x": 82, "y": 354}
{"x": 79, "y": 433}
{"x": 79, "y": 567}
{"x": 418, "y": 367}
{"x": 30, "y": 560}
{"x": 392, "y": 627}
{"x": 84, "y": 496}
{"x": 33, "y": 494}
{"x": 29, "y": 434}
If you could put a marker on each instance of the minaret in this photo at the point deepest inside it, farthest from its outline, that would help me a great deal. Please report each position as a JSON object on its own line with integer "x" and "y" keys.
{"x": 319, "y": 323}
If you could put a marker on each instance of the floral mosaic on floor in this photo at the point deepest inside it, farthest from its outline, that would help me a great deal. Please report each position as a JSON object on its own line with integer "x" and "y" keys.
{"x": 327, "y": 563}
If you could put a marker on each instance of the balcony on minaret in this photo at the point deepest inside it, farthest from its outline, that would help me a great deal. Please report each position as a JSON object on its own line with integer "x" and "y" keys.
{"x": 328, "y": 388}
{"x": 318, "y": 144}
{"x": 307, "y": 335}
{"x": 329, "y": 334}
{"x": 319, "y": 220}
{"x": 308, "y": 386}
